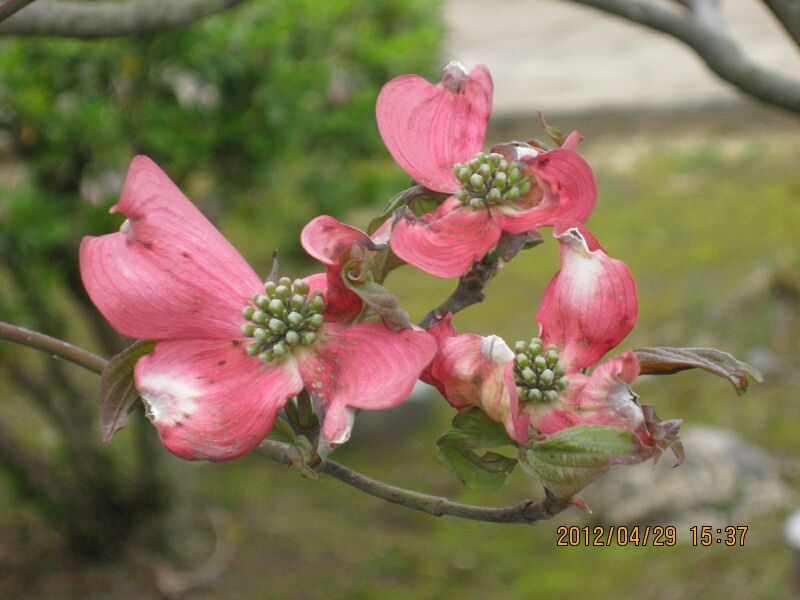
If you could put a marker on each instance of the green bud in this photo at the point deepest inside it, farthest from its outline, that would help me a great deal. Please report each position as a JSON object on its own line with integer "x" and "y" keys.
{"x": 276, "y": 308}
{"x": 520, "y": 346}
{"x": 316, "y": 304}
{"x": 535, "y": 395}
{"x": 462, "y": 195}
{"x": 522, "y": 393}
{"x": 476, "y": 181}
{"x": 457, "y": 169}
{"x": 502, "y": 165}
{"x": 485, "y": 171}
{"x": 528, "y": 375}
{"x": 279, "y": 349}
{"x": 552, "y": 358}
{"x": 248, "y": 329}
{"x": 552, "y": 347}
{"x": 285, "y": 281}
{"x": 247, "y": 312}
{"x": 263, "y": 302}
{"x": 540, "y": 363}
{"x": 269, "y": 287}
{"x": 292, "y": 338}
{"x": 481, "y": 157}
{"x": 265, "y": 356}
{"x": 546, "y": 377}
{"x": 550, "y": 396}
{"x": 316, "y": 321}
{"x": 512, "y": 194}
{"x": 260, "y": 317}
{"x": 562, "y": 384}
{"x": 500, "y": 181}
{"x": 494, "y": 196}
{"x": 254, "y": 298}
{"x": 463, "y": 174}
{"x": 253, "y": 348}
{"x": 276, "y": 326}
{"x": 475, "y": 204}
{"x": 474, "y": 164}
{"x": 514, "y": 175}
{"x": 494, "y": 158}
{"x": 295, "y": 319}
{"x": 559, "y": 370}
{"x": 260, "y": 334}
{"x": 309, "y": 337}
{"x": 300, "y": 286}
{"x": 298, "y": 302}
{"x": 536, "y": 346}
{"x": 283, "y": 291}
{"x": 522, "y": 360}
{"x": 525, "y": 187}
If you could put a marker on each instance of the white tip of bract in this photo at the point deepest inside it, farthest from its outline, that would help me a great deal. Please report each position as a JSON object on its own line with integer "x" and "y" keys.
{"x": 526, "y": 152}
{"x": 495, "y": 349}
{"x": 167, "y": 400}
{"x": 574, "y": 238}
{"x": 327, "y": 445}
{"x": 454, "y": 76}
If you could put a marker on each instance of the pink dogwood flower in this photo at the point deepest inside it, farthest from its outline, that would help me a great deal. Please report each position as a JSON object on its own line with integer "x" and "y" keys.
{"x": 230, "y": 349}
{"x": 436, "y": 133}
{"x": 539, "y": 386}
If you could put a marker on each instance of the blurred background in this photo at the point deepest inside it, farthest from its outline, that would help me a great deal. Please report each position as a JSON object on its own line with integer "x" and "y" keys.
{"x": 264, "y": 115}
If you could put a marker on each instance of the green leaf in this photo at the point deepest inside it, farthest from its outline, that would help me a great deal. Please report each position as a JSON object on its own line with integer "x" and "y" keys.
{"x": 554, "y": 133}
{"x": 479, "y": 473}
{"x": 118, "y": 395}
{"x": 472, "y": 430}
{"x": 374, "y": 295}
{"x": 665, "y": 361}
{"x": 570, "y": 459}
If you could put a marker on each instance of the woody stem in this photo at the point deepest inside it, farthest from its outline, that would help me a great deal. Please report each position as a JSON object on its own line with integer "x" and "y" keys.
{"x": 527, "y": 511}
{"x": 57, "y": 348}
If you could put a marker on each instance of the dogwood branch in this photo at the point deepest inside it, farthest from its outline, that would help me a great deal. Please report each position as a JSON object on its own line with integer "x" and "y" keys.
{"x": 788, "y": 14}
{"x": 527, "y": 511}
{"x": 9, "y": 7}
{"x": 91, "y": 20}
{"x": 55, "y": 347}
{"x": 700, "y": 28}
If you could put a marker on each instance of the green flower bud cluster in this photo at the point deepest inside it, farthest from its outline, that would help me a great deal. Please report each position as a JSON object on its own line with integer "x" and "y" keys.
{"x": 490, "y": 179}
{"x": 537, "y": 372}
{"x": 283, "y": 317}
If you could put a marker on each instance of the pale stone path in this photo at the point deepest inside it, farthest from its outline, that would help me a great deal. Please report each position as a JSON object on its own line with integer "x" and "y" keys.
{"x": 555, "y": 56}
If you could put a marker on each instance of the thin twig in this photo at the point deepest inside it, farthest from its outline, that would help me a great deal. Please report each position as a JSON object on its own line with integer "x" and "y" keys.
{"x": 527, "y": 511}
{"x": 787, "y": 12}
{"x": 9, "y": 7}
{"x": 713, "y": 45}
{"x": 92, "y": 20}
{"x": 57, "y": 348}
{"x": 469, "y": 289}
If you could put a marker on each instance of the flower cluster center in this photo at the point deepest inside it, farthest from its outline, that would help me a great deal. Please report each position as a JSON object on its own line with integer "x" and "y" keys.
{"x": 285, "y": 316}
{"x": 537, "y": 372}
{"x": 490, "y": 179}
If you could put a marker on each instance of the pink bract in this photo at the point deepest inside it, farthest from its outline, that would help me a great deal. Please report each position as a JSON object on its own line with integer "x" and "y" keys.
{"x": 588, "y": 308}
{"x": 169, "y": 275}
{"x": 428, "y": 128}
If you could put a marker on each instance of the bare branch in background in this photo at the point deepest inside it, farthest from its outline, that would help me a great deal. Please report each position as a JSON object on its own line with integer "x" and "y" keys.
{"x": 9, "y": 7}
{"x": 91, "y": 20}
{"x": 700, "y": 28}
{"x": 788, "y": 14}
